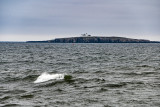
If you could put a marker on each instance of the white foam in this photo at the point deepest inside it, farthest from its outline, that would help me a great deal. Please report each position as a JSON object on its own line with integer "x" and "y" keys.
{"x": 46, "y": 77}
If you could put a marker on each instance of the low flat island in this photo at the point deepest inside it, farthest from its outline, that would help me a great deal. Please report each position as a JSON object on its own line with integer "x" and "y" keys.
{"x": 95, "y": 39}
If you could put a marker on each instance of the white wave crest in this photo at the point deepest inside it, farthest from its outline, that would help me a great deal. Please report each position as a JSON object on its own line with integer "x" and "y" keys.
{"x": 46, "y": 77}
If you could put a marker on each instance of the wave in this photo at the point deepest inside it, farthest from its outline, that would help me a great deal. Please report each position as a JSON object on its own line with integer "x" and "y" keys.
{"x": 46, "y": 77}
{"x": 9, "y": 105}
{"x": 115, "y": 85}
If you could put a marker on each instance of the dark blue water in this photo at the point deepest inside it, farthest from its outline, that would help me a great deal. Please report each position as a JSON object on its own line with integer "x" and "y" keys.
{"x": 103, "y": 75}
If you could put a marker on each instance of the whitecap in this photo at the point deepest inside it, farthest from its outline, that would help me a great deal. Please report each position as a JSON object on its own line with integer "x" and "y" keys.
{"x": 46, "y": 77}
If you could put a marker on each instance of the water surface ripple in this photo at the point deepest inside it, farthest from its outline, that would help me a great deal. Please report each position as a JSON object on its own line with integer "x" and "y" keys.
{"x": 104, "y": 75}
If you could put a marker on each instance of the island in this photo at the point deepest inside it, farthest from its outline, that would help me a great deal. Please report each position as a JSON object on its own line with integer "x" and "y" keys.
{"x": 95, "y": 39}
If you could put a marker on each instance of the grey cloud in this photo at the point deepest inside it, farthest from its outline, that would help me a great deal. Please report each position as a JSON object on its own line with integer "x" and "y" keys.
{"x": 96, "y": 16}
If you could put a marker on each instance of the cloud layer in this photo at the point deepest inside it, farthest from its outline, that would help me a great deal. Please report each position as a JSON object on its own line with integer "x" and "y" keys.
{"x": 51, "y": 18}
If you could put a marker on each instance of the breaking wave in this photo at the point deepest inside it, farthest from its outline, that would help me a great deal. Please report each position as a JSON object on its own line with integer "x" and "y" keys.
{"x": 46, "y": 77}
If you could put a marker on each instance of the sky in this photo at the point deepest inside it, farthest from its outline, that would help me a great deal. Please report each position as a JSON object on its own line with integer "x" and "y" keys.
{"x": 25, "y": 20}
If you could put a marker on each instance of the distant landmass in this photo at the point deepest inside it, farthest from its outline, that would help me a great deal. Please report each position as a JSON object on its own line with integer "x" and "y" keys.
{"x": 95, "y": 39}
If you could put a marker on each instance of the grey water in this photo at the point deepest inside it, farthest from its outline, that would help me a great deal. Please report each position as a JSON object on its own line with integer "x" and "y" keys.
{"x": 103, "y": 75}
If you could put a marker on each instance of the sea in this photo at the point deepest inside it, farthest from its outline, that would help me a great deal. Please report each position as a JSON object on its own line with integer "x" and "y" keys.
{"x": 101, "y": 75}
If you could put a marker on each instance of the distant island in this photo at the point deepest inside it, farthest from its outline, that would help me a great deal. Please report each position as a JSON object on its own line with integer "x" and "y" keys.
{"x": 95, "y": 39}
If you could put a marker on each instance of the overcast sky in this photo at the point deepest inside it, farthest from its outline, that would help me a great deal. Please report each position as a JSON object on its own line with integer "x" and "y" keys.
{"x": 23, "y": 20}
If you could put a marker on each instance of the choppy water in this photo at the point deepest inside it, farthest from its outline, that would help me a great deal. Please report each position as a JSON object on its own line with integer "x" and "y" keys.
{"x": 104, "y": 75}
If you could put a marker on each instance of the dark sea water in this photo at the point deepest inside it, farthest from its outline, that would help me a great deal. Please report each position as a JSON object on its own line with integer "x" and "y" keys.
{"x": 103, "y": 75}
